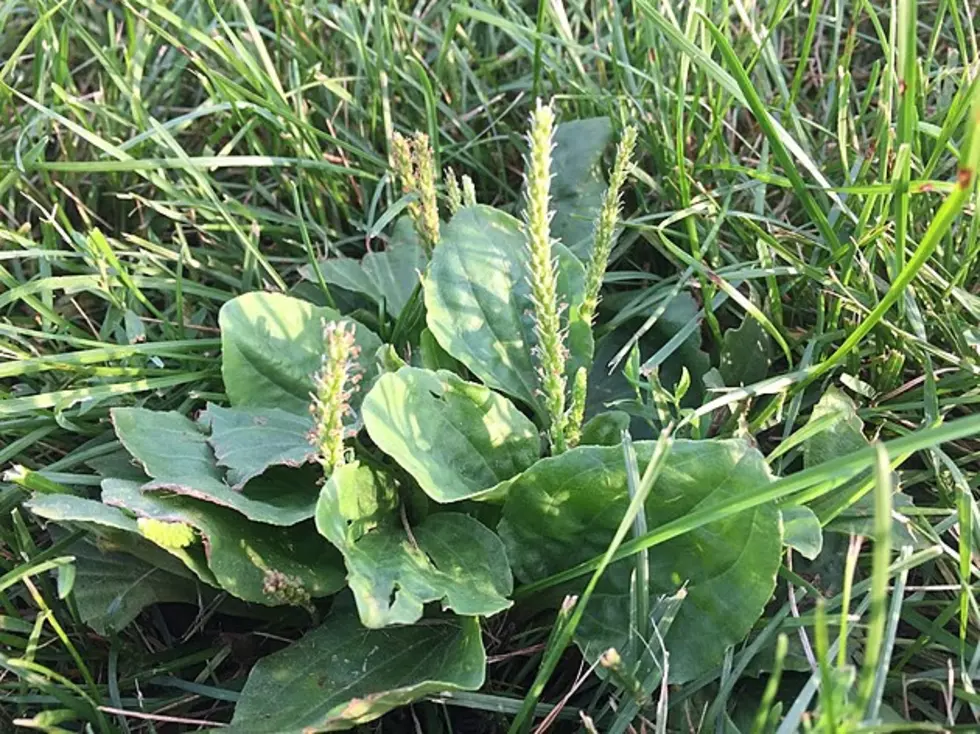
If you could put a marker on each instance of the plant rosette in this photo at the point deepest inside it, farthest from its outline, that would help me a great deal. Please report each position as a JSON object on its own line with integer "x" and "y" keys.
{"x": 433, "y": 471}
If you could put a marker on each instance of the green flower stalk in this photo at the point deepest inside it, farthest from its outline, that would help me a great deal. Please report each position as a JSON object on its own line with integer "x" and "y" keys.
{"x": 469, "y": 191}
{"x": 605, "y": 224}
{"x": 453, "y": 191}
{"x": 414, "y": 167}
{"x": 543, "y": 274}
{"x": 401, "y": 159}
{"x": 335, "y": 383}
{"x": 576, "y": 414}
{"x": 425, "y": 170}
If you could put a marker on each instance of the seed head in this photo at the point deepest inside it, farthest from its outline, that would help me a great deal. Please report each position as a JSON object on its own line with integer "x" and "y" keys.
{"x": 335, "y": 383}
{"x": 286, "y": 589}
{"x": 415, "y": 168}
{"x": 576, "y": 414}
{"x": 605, "y": 224}
{"x": 543, "y": 273}
{"x": 425, "y": 170}
{"x": 469, "y": 191}
{"x": 453, "y": 191}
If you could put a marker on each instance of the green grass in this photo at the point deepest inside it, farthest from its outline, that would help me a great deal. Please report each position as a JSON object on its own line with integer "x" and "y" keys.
{"x": 805, "y": 164}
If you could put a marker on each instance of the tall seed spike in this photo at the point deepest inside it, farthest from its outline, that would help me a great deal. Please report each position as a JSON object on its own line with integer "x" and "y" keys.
{"x": 543, "y": 274}
{"x": 576, "y": 414}
{"x": 606, "y": 222}
{"x": 334, "y": 383}
{"x": 404, "y": 168}
{"x": 453, "y": 191}
{"x": 425, "y": 169}
{"x": 469, "y": 191}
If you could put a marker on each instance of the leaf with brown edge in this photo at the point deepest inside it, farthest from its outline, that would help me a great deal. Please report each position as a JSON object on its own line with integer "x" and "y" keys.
{"x": 244, "y": 556}
{"x": 341, "y": 675}
{"x": 175, "y": 453}
{"x": 247, "y": 441}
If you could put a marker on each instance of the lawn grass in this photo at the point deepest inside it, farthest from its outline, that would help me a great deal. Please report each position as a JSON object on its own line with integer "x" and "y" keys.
{"x": 803, "y": 166}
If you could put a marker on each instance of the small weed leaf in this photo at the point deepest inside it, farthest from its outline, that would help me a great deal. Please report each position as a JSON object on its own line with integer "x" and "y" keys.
{"x": 565, "y": 510}
{"x": 843, "y": 436}
{"x": 745, "y": 354}
{"x": 387, "y": 277}
{"x": 272, "y": 346}
{"x": 456, "y": 438}
{"x": 341, "y": 675}
{"x": 802, "y": 531}
{"x": 393, "y": 570}
{"x": 241, "y": 554}
{"x": 479, "y": 306}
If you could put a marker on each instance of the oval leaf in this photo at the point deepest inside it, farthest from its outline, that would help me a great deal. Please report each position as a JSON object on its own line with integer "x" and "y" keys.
{"x": 176, "y": 454}
{"x": 111, "y": 589}
{"x": 478, "y": 301}
{"x": 248, "y": 441}
{"x": 565, "y": 510}
{"x": 450, "y": 557}
{"x": 111, "y": 524}
{"x": 341, "y": 675}
{"x": 457, "y": 439}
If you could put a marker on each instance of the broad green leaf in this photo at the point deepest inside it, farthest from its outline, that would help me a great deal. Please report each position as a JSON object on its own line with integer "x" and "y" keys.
{"x": 601, "y": 628}
{"x": 341, "y": 675}
{"x": 565, "y": 510}
{"x": 107, "y": 522}
{"x": 111, "y": 588}
{"x": 434, "y": 357}
{"x": 745, "y": 354}
{"x": 247, "y": 441}
{"x": 449, "y": 557}
{"x": 69, "y": 508}
{"x": 242, "y": 555}
{"x": 457, "y": 439}
{"x": 605, "y": 429}
{"x": 478, "y": 301}
{"x": 176, "y": 454}
{"x": 271, "y": 348}
{"x": 387, "y": 277}
{"x": 802, "y": 531}
{"x": 577, "y": 183}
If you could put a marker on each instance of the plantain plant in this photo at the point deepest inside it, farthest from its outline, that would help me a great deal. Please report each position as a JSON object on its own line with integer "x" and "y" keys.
{"x": 415, "y": 479}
